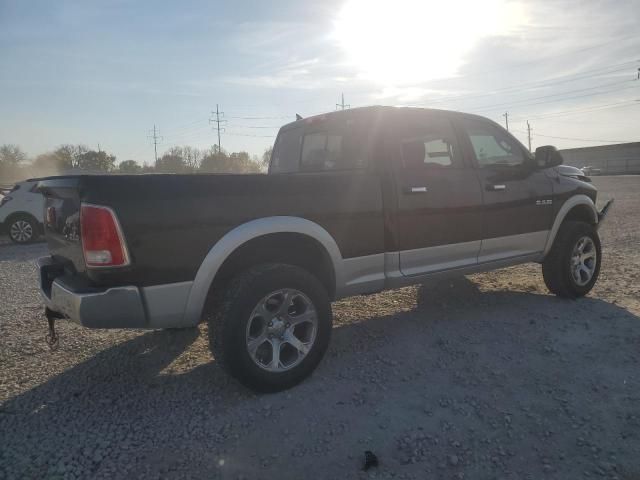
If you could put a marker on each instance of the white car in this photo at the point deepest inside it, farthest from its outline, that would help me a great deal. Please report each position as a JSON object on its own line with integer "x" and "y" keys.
{"x": 21, "y": 211}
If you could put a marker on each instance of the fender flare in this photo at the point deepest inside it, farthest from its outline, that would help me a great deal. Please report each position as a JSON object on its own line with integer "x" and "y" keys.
{"x": 562, "y": 213}
{"x": 242, "y": 234}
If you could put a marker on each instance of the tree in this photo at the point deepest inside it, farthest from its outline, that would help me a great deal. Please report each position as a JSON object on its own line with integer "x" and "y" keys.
{"x": 11, "y": 156}
{"x": 11, "y": 163}
{"x": 129, "y": 166}
{"x": 45, "y": 164}
{"x": 68, "y": 156}
{"x": 192, "y": 157}
{"x": 171, "y": 162}
{"x": 96, "y": 161}
{"x": 266, "y": 158}
{"x": 221, "y": 162}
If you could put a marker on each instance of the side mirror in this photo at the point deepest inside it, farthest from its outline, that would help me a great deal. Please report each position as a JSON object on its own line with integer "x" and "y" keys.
{"x": 548, "y": 156}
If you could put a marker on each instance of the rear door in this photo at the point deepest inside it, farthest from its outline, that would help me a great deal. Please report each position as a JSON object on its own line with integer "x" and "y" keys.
{"x": 517, "y": 196}
{"x": 438, "y": 216}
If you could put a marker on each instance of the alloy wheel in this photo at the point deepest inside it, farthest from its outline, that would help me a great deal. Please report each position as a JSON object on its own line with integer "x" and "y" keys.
{"x": 281, "y": 330}
{"x": 584, "y": 259}
{"x": 21, "y": 231}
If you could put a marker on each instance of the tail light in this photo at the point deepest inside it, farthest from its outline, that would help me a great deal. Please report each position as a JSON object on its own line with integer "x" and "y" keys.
{"x": 102, "y": 240}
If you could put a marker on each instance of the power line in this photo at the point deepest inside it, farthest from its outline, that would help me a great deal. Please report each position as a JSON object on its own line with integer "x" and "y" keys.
{"x": 255, "y": 126}
{"x": 493, "y": 107}
{"x": 260, "y": 118}
{"x": 594, "y": 108}
{"x": 560, "y": 94}
{"x": 619, "y": 67}
{"x": 577, "y": 139}
{"x": 250, "y": 135}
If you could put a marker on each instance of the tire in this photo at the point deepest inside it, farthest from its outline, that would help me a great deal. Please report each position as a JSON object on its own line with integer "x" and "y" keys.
{"x": 562, "y": 268}
{"x": 22, "y": 229}
{"x": 290, "y": 298}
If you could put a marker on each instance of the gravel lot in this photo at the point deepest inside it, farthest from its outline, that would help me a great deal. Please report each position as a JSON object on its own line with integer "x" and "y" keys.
{"x": 487, "y": 376}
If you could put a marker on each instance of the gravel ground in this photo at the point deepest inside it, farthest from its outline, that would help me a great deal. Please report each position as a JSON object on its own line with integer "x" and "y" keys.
{"x": 487, "y": 376}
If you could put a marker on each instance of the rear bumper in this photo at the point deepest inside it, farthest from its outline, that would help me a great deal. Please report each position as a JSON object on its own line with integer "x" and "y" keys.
{"x": 159, "y": 306}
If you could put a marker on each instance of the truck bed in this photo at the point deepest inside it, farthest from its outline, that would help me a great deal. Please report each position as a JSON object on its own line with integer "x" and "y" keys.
{"x": 170, "y": 222}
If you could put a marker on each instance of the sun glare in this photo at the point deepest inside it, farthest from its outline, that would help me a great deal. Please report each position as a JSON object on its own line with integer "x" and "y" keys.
{"x": 401, "y": 42}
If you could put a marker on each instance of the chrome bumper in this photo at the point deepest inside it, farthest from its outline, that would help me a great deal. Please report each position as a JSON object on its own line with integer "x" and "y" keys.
{"x": 118, "y": 307}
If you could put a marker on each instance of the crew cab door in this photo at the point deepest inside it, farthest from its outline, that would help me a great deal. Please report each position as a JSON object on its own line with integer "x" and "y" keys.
{"x": 517, "y": 196}
{"x": 439, "y": 201}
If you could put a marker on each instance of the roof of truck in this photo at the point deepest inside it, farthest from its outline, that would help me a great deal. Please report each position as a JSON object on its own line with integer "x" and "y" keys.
{"x": 374, "y": 108}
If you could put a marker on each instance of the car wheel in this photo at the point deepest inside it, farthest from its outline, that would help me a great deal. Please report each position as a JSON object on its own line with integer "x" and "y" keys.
{"x": 22, "y": 229}
{"x": 571, "y": 268}
{"x": 271, "y": 327}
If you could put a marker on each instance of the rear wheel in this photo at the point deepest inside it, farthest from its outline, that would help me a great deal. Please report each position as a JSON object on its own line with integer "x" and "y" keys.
{"x": 271, "y": 326}
{"x": 572, "y": 266}
{"x": 23, "y": 229}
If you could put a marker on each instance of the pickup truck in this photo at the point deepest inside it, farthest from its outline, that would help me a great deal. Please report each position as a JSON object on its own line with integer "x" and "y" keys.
{"x": 355, "y": 202}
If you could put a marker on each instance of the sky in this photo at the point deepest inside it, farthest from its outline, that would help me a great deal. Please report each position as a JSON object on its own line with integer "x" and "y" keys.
{"x": 105, "y": 72}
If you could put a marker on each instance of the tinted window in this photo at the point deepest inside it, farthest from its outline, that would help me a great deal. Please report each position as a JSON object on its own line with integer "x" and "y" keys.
{"x": 432, "y": 150}
{"x": 340, "y": 143}
{"x": 426, "y": 141}
{"x": 321, "y": 151}
{"x": 492, "y": 145}
{"x": 286, "y": 151}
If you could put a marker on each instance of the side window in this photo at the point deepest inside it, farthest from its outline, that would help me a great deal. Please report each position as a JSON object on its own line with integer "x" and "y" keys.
{"x": 431, "y": 150}
{"x": 427, "y": 142}
{"x": 339, "y": 144}
{"x": 492, "y": 146}
{"x": 286, "y": 151}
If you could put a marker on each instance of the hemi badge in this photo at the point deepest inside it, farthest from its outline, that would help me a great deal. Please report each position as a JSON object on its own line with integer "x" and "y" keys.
{"x": 544, "y": 202}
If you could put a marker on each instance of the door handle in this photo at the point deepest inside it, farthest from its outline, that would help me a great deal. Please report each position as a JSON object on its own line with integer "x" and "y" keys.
{"x": 415, "y": 190}
{"x": 496, "y": 188}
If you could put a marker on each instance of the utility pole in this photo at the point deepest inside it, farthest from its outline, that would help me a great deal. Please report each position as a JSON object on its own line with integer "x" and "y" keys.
{"x": 506, "y": 119}
{"x": 529, "y": 134}
{"x": 218, "y": 121}
{"x": 156, "y": 139}
{"x": 342, "y": 106}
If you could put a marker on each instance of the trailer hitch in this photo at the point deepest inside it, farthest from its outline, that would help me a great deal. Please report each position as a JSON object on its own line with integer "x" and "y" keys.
{"x": 52, "y": 337}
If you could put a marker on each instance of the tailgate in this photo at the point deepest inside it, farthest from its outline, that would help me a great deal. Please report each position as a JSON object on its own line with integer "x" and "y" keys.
{"x": 62, "y": 220}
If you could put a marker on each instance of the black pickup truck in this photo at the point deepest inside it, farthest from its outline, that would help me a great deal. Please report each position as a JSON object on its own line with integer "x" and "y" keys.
{"x": 355, "y": 202}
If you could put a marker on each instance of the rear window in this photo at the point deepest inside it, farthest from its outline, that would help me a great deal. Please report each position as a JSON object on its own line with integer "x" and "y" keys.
{"x": 337, "y": 143}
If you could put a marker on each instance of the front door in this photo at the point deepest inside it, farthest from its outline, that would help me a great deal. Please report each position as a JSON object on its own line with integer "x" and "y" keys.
{"x": 517, "y": 196}
{"x": 439, "y": 202}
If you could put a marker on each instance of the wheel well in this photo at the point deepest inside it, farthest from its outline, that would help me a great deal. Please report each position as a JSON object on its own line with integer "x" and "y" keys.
{"x": 581, "y": 213}
{"x": 290, "y": 248}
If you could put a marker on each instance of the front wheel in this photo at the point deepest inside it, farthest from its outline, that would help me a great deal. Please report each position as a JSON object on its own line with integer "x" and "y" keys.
{"x": 573, "y": 264}
{"x": 271, "y": 326}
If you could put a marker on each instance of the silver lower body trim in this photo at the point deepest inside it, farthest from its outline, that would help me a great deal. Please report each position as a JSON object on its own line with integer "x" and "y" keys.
{"x": 511, "y": 246}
